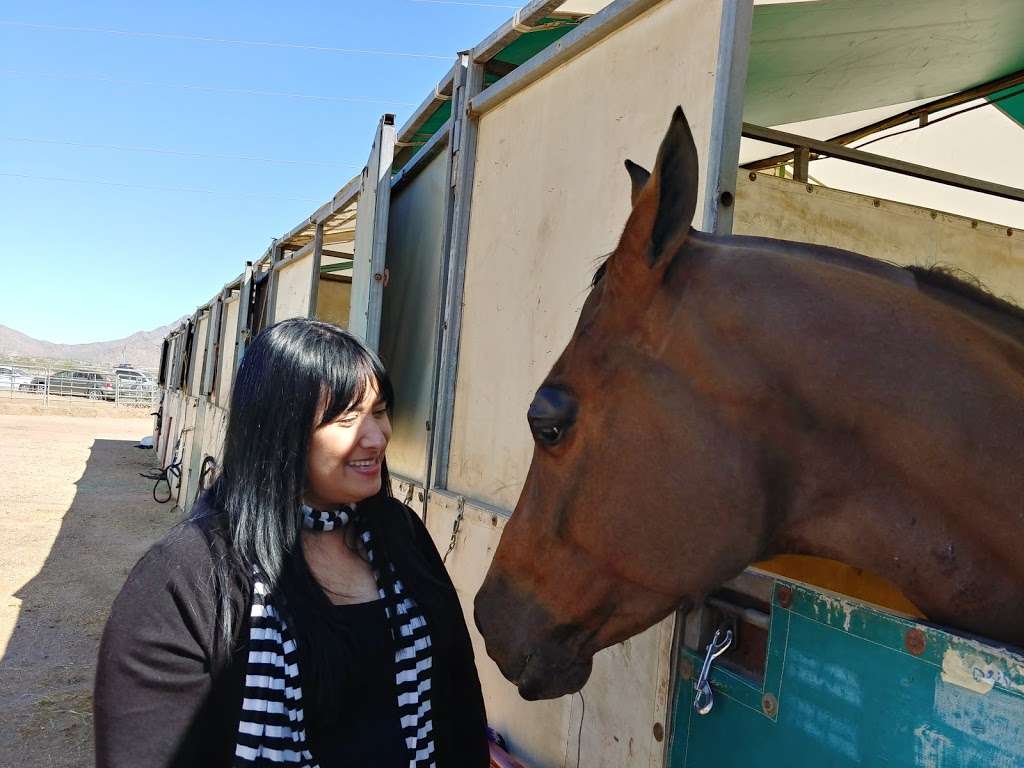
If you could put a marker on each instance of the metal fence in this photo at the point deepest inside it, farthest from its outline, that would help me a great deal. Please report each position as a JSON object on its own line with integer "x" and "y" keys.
{"x": 127, "y": 387}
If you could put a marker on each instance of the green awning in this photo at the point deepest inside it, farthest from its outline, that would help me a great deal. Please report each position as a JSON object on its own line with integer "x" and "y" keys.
{"x": 831, "y": 57}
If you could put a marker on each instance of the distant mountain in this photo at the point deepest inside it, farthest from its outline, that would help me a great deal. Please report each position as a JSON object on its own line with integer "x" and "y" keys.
{"x": 141, "y": 349}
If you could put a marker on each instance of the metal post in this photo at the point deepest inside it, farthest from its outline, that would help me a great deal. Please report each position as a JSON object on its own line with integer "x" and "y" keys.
{"x": 801, "y": 164}
{"x": 314, "y": 279}
{"x": 46, "y": 388}
{"x": 464, "y": 127}
{"x": 275, "y": 257}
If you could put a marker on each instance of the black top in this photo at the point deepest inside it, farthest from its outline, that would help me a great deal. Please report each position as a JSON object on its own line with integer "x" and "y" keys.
{"x": 367, "y": 734}
{"x": 167, "y": 694}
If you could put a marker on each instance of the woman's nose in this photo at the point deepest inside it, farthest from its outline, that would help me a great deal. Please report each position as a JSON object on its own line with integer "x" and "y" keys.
{"x": 373, "y": 435}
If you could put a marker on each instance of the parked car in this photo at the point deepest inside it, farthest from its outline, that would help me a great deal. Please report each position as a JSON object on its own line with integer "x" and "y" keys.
{"x": 95, "y": 386}
{"x": 134, "y": 384}
{"x": 14, "y": 378}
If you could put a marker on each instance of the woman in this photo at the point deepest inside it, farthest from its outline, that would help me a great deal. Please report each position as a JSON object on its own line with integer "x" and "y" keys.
{"x": 301, "y": 615}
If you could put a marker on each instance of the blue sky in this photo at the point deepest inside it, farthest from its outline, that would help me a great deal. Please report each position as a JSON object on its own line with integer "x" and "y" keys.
{"x": 84, "y": 261}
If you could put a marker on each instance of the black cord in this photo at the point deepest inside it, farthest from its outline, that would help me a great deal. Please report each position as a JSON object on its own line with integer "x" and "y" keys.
{"x": 164, "y": 476}
{"x": 209, "y": 466}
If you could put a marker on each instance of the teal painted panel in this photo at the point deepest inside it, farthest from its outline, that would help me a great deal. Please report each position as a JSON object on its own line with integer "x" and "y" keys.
{"x": 853, "y": 688}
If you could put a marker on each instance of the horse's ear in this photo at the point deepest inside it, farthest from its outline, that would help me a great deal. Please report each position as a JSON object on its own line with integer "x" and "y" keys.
{"x": 638, "y": 175}
{"x": 663, "y": 210}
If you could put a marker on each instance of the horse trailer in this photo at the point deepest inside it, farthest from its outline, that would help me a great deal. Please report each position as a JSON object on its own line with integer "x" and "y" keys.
{"x": 463, "y": 253}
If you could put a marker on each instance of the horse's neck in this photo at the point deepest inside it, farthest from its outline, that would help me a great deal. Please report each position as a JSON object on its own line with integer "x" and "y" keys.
{"x": 901, "y": 427}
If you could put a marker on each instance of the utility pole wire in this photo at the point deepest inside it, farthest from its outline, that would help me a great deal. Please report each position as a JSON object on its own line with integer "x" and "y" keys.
{"x": 221, "y": 40}
{"x": 173, "y": 152}
{"x": 155, "y": 187}
{"x": 203, "y": 88}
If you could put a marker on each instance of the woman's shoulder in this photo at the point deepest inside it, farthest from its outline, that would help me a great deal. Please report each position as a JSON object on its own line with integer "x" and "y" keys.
{"x": 184, "y": 555}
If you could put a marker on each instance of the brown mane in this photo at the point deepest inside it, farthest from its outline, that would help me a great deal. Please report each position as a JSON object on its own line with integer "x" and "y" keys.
{"x": 955, "y": 286}
{"x": 970, "y": 295}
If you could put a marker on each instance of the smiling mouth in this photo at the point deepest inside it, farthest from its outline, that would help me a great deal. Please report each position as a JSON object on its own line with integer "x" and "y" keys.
{"x": 367, "y": 466}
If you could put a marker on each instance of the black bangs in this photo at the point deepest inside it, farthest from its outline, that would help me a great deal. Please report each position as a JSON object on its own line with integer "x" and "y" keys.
{"x": 346, "y": 373}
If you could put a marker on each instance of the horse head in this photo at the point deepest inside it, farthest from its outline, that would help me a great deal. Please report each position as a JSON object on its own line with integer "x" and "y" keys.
{"x": 597, "y": 548}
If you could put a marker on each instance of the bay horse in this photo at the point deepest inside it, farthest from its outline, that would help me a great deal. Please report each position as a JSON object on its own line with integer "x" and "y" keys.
{"x": 724, "y": 400}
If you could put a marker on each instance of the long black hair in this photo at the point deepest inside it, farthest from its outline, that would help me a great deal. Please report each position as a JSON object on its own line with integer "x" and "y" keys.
{"x": 295, "y": 376}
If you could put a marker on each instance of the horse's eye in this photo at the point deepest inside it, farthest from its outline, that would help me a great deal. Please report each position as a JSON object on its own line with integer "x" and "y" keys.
{"x": 548, "y": 435}
{"x": 551, "y": 414}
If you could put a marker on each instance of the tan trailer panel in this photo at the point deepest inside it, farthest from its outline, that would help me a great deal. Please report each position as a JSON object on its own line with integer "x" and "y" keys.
{"x": 770, "y": 206}
{"x": 550, "y": 198}
{"x": 225, "y": 377}
{"x": 293, "y": 285}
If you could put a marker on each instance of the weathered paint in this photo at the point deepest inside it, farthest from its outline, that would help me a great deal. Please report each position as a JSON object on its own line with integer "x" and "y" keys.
{"x": 626, "y": 699}
{"x": 855, "y": 686}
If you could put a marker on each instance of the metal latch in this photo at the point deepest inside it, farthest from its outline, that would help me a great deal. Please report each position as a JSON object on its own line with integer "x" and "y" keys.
{"x": 704, "y": 699}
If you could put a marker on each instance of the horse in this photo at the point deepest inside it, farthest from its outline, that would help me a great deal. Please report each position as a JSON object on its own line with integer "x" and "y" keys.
{"x": 724, "y": 400}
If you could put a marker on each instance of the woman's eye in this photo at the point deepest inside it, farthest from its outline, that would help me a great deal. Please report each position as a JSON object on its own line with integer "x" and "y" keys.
{"x": 381, "y": 413}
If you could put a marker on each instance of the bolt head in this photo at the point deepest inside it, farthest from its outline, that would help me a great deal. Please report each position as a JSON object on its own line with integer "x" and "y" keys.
{"x": 915, "y": 641}
{"x": 784, "y": 595}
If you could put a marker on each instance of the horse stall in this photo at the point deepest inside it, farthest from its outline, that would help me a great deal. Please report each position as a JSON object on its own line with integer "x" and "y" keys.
{"x": 463, "y": 254}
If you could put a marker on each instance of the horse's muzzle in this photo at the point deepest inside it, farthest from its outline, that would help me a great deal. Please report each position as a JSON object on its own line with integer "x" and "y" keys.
{"x": 526, "y": 643}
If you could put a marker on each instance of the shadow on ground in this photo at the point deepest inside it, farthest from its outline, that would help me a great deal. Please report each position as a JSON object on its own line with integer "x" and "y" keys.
{"x": 48, "y": 666}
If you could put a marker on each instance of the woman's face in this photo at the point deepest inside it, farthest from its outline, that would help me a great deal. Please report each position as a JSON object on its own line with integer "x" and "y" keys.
{"x": 345, "y": 455}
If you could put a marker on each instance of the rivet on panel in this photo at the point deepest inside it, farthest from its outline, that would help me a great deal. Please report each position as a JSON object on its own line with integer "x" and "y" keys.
{"x": 878, "y": 203}
{"x": 752, "y": 175}
{"x": 935, "y": 215}
{"x": 914, "y": 641}
{"x": 686, "y": 669}
{"x": 420, "y": 495}
{"x": 1009, "y": 232}
{"x": 974, "y": 225}
{"x": 726, "y": 199}
{"x": 494, "y": 520}
{"x": 659, "y": 732}
{"x": 810, "y": 188}
{"x": 769, "y": 705}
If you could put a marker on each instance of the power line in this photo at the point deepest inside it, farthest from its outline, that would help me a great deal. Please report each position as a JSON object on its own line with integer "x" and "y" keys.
{"x": 157, "y": 188}
{"x": 456, "y": 2}
{"x": 220, "y": 40}
{"x": 172, "y": 152}
{"x": 204, "y": 88}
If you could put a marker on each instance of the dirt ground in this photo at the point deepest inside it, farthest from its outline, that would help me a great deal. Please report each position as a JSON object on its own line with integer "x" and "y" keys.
{"x": 74, "y": 518}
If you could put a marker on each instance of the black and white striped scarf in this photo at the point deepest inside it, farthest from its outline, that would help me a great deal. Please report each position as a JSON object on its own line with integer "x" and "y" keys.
{"x": 271, "y": 728}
